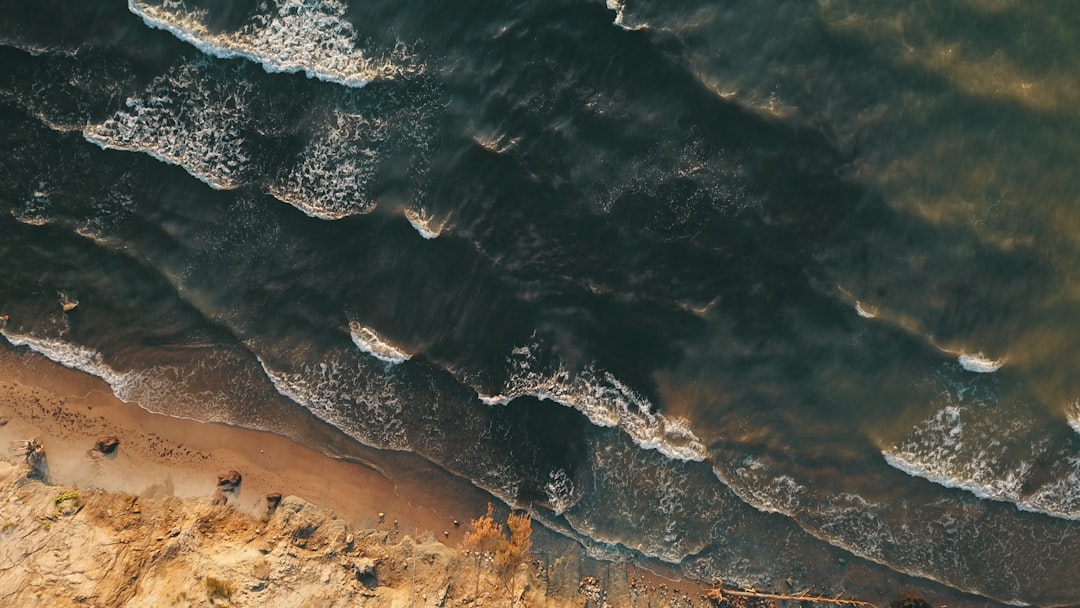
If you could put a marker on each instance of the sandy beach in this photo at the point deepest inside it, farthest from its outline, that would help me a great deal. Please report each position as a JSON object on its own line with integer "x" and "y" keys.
{"x": 68, "y": 411}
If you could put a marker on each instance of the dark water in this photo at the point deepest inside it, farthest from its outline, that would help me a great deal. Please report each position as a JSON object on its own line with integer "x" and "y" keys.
{"x": 743, "y": 287}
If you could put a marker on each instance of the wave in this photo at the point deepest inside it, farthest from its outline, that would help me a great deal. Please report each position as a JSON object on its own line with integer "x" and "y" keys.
{"x": 309, "y": 36}
{"x": 1072, "y": 417}
{"x": 863, "y": 312}
{"x": 602, "y": 398}
{"x": 1003, "y": 460}
{"x": 863, "y": 528}
{"x": 979, "y": 363}
{"x": 72, "y": 356}
{"x": 619, "y": 6}
{"x": 173, "y": 391}
{"x": 424, "y": 224}
{"x": 680, "y": 501}
{"x": 344, "y": 394}
{"x": 330, "y": 180}
{"x": 191, "y": 117}
{"x": 373, "y": 344}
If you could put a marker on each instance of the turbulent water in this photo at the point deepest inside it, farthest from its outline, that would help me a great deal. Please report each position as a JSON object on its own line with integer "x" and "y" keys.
{"x": 748, "y": 288}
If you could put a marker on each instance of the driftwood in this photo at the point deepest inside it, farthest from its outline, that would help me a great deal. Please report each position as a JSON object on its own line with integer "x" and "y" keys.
{"x": 717, "y": 593}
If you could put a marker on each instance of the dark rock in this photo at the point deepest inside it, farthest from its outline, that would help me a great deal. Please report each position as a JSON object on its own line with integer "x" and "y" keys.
{"x": 228, "y": 481}
{"x": 272, "y": 502}
{"x": 107, "y": 445}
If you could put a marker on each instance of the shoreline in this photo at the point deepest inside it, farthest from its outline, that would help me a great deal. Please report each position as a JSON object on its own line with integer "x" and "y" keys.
{"x": 162, "y": 456}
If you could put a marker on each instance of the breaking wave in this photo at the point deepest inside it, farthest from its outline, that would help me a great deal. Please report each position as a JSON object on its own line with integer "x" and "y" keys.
{"x": 968, "y": 449}
{"x": 602, "y": 398}
{"x": 345, "y": 394}
{"x": 191, "y": 117}
{"x": 979, "y": 363}
{"x": 309, "y": 36}
{"x": 619, "y": 6}
{"x": 375, "y": 345}
{"x": 175, "y": 391}
{"x": 424, "y": 224}
{"x": 330, "y": 179}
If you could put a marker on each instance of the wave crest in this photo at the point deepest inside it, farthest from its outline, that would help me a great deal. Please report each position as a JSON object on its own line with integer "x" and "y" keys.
{"x": 309, "y": 36}
{"x": 602, "y": 398}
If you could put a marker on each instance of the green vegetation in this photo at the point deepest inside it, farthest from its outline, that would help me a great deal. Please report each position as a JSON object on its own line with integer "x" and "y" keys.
{"x": 71, "y": 495}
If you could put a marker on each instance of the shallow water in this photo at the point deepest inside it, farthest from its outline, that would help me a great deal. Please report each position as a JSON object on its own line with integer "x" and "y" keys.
{"x": 744, "y": 288}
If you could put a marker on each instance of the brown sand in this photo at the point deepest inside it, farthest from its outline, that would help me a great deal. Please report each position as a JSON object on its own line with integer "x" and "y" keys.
{"x": 68, "y": 411}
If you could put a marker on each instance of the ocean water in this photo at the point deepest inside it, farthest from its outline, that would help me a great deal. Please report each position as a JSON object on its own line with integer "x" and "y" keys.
{"x": 757, "y": 290}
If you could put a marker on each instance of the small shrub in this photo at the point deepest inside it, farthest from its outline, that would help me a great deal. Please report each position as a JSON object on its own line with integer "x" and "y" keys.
{"x": 219, "y": 588}
{"x": 71, "y": 495}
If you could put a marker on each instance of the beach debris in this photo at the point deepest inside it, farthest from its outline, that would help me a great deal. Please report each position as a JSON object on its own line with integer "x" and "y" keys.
{"x": 33, "y": 449}
{"x": 107, "y": 445}
{"x": 272, "y": 502}
{"x": 227, "y": 482}
{"x": 34, "y": 455}
{"x": 717, "y": 593}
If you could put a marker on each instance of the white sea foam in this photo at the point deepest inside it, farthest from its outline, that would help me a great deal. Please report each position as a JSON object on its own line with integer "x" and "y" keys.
{"x": 619, "y": 6}
{"x": 967, "y": 450}
{"x": 375, "y": 345}
{"x": 560, "y": 491}
{"x": 862, "y": 312}
{"x": 343, "y": 393}
{"x": 189, "y": 118}
{"x": 630, "y": 489}
{"x": 979, "y": 363}
{"x": 424, "y": 224}
{"x": 310, "y": 36}
{"x": 168, "y": 390}
{"x": 603, "y": 399}
{"x": 1072, "y": 416}
{"x": 330, "y": 180}
{"x": 72, "y": 356}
